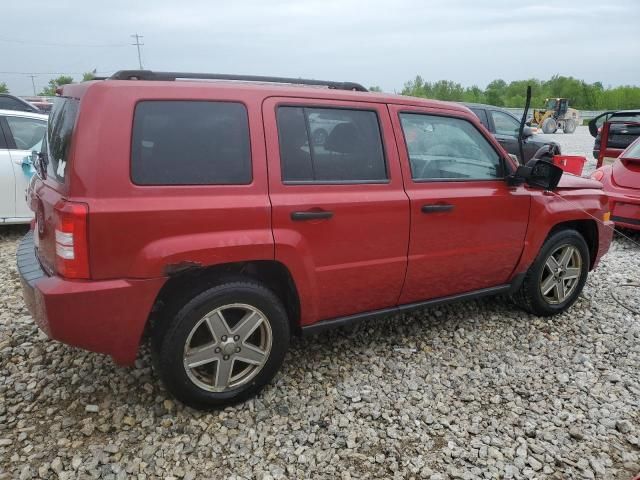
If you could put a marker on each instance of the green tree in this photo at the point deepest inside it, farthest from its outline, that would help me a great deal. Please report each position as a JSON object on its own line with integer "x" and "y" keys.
{"x": 86, "y": 76}
{"x": 4, "y": 88}
{"x": 54, "y": 83}
{"x": 581, "y": 95}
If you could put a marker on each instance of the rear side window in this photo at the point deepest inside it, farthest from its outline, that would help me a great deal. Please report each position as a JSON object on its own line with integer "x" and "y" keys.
{"x": 190, "y": 143}
{"x": 59, "y": 133}
{"x": 328, "y": 145}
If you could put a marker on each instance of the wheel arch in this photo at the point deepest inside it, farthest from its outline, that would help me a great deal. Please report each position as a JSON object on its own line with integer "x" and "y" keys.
{"x": 184, "y": 285}
{"x": 588, "y": 229}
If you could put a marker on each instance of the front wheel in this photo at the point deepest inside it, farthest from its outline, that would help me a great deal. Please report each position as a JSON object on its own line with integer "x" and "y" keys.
{"x": 569, "y": 126}
{"x": 223, "y": 346}
{"x": 556, "y": 277}
{"x": 549, "y": 125}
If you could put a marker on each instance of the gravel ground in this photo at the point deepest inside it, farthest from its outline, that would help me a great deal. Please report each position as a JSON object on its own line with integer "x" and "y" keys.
{"x": 473, "y": 390}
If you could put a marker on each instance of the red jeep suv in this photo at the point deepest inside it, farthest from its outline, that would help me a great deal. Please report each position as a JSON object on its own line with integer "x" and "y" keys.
{"x": 214, "y": 216}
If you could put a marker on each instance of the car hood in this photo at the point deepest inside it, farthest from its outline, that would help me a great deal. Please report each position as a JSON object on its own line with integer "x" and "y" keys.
{"x": 626, "y": 173}
{"x": 570, "y": 182}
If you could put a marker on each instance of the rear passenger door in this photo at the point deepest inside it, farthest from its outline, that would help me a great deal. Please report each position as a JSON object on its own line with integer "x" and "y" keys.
{"x": 467, "y": 225}
{"x": 339, "y": 211}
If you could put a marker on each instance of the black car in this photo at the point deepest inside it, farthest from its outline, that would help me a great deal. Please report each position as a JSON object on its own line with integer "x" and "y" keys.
{"x": 11, "y": 102}
{"x": 505, "y": 126}
{"x": 621, "y": 135}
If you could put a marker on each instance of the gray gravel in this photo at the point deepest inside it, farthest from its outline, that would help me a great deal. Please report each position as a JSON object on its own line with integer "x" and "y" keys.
{"x": 473, "y": 390}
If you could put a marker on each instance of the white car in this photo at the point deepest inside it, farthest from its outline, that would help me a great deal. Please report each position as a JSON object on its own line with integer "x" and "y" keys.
{"x": 20, "y": 134}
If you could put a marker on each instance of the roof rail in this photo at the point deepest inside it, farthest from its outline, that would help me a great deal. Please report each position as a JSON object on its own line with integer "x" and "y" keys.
{"x": 171, "y": 76}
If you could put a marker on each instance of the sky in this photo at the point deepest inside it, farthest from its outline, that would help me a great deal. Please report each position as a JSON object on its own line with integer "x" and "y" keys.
{"x": 374, "y": 42}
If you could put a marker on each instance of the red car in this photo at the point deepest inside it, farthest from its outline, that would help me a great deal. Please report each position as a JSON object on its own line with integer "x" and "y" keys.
{"x": 621, "y": 181}
{"x": 207, "y": 214}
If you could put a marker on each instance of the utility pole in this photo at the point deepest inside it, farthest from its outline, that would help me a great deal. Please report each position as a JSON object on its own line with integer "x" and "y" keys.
{"x": 138, "y": 44}
{"x": 33, "y": 82}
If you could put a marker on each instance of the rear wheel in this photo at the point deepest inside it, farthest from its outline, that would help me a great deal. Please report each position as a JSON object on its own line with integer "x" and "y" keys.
{"x": 556, "y": 278}
{"x": 569, "y": 126}
{"x": 223, "y": 346}
{"x": 549, "y": 125}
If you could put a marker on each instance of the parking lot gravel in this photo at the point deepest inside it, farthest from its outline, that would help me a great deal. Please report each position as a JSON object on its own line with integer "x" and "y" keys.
{"x": 473, "y": 390}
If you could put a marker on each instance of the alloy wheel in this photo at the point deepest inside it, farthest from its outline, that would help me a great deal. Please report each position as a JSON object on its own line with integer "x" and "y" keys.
{"x": 561, "y": 274}
{"x": 227, "y": 347}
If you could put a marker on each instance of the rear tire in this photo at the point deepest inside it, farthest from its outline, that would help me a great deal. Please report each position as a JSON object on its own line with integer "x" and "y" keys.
{"x": 556, "y": 277}
{"x": 223, "y": 346}
{"x": 569, "y": 126}
{"x": 549, "y": 125}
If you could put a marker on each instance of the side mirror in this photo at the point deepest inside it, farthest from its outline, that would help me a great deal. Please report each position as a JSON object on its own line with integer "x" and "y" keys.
{"x": 537, "y": 173}
{"x": 527, "y": 132}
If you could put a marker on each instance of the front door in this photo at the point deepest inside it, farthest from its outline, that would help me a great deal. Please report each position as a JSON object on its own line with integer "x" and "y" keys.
{"x": 339, "y": 211}
{"x": 7, "y": 179}
{"x": 26, "y": 135}
{"x": 467, "y": 226}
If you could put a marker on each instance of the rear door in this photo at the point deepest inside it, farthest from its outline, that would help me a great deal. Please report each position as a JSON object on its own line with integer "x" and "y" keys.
{"x": 340, "y": 213}
{"x": 467, "y": 225}
{"x": 7, "y": 177}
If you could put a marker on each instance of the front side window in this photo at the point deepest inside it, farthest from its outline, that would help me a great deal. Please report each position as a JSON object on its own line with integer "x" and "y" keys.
{"x": 482, "y": 115}
{"x": 27, "y": 133}
{"x": 177, "y": 142}
{"x": 505, "y": 124}
{"x": 445, "y": 148}
{"x": 330, "y": 145}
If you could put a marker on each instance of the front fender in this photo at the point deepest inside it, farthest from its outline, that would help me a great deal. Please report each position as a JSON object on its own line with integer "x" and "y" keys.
{"x": 549, "y": 209}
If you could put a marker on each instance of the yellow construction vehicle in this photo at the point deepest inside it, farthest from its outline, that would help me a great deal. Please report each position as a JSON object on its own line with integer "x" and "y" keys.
{"x": 556, "y": 115}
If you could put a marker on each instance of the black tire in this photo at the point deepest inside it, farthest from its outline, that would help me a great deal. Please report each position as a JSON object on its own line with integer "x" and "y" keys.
{"x": 549, "y": 125}
{"x": 530, "y": 296}
{"x": 569, "y": 126}
{"x": 168, "y": 343}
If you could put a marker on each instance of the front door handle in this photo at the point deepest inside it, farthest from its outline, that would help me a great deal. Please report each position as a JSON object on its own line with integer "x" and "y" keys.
{"x": 437, "y": 208}
{"x": 311, "y": 215}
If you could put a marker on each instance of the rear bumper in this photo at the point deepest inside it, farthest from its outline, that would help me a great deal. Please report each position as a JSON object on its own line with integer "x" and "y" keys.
{"x": 605, "y": 237}
{"x": 101, "y": 316}
{"x": 625, "y": 210}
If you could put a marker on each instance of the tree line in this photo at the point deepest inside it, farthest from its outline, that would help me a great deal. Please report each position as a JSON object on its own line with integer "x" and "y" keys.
{"x": 581, "y": 95}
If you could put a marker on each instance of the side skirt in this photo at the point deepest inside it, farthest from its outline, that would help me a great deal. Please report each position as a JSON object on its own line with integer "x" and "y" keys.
{"x": 358, "y": 317}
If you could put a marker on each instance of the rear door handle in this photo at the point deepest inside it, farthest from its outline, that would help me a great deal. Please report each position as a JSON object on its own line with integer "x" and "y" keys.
{"x": 436, "y": 208}
{"x": 302, "y": 216}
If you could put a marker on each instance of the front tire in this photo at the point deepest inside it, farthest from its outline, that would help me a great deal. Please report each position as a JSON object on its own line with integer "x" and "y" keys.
{"x": 556, "y": 277}
{"x": 223, "y": 346}
{"x": 549, "y": 126}
{"x": 569, "y": 126}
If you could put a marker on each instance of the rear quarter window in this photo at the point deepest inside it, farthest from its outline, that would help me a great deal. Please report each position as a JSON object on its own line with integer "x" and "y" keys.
{"x": 59, "y": 134}
{"x": 177, "y": 142}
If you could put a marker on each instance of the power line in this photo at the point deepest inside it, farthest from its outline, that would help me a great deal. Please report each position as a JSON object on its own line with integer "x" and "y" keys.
{"x": 55, "y": 44}
{"x": 138, "y": 45}
{"x": 66, "y": 72}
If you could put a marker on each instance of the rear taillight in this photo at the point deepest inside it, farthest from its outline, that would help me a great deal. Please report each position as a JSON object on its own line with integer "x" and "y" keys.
{"x": 72, "y": 251}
